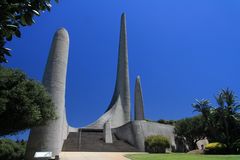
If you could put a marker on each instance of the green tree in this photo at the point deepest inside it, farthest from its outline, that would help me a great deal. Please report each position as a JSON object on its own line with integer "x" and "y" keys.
{"x": 11, "y": 150}
{"x": 203, "y": 106}
{"x": 15, "y": 14}
{"x": 227, "y": 116}
{"x": 24, "y": 103}
{"x": 191, "y": 129}
{"x": 223, "y": 120}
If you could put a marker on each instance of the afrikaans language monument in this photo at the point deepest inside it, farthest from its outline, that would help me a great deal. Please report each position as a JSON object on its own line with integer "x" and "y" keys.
{"x": 114, "y": 130}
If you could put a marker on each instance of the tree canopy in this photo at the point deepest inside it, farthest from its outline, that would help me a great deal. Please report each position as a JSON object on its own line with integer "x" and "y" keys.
{"x": 24, "y": 103}
{"x": 15, "y": 14}
{"x": 224, "y": 118}
{"x": 11, "y": 150}
{"x": 192, "y": 129}
{"x": 219, "y": 123}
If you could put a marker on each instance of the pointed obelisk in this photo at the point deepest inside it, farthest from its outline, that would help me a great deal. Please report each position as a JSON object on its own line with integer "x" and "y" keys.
{"x": 119, "y": 108}
{"x": 51, "y": 136}
{"x": 138, "y": 101}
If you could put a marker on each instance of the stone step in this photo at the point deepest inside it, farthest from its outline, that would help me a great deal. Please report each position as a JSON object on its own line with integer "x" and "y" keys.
{"x": 92, "y": 141}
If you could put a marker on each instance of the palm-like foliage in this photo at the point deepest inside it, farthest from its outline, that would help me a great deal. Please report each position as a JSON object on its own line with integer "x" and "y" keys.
{"x": 202, "y": 106}
{"x": 227, "y": 114}
{"x": 227, "y": 99}
{"x": 222, "y": 121}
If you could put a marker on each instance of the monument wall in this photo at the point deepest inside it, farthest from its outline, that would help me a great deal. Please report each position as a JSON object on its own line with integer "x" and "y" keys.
{"x": 135, "y": 132}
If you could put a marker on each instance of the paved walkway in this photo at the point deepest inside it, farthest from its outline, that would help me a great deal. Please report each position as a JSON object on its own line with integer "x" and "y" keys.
{"x": 94, "y": 155}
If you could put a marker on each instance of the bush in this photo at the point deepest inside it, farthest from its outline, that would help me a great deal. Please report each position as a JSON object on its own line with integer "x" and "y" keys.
{"x": 215, "y": 148}
{"x": 11, "y": 150}
{"x": 156, "y": 144}
{"x": 235, "y": 147}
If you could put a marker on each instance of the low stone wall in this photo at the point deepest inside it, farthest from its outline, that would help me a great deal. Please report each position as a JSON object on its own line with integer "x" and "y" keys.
{"x": 135, "y": 132}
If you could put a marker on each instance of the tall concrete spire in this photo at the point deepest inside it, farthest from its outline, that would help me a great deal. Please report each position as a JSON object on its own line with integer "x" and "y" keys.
{"x": 138, "y": 101}
{"x": 51, "y": 136}
{"x": 119, "y": 109}
{"x": 122, "y": 88}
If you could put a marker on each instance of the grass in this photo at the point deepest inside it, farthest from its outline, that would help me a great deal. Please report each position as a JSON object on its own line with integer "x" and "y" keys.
{"x": 182, "y": 156}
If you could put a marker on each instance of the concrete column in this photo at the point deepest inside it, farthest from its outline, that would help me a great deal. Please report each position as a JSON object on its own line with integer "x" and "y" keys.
{"x": 108, "y": 132}
{"x": 51, "y": 136}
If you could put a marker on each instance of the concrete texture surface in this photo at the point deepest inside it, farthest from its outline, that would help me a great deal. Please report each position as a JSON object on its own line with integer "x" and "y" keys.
{"x": 108, "y": 132}
{"x": 138, "y": 101}
{"x": 119, "y": 108}
{"x": 135, "y": 132}
{"x": 51, "y": 136}
{"x": 94, "y": 155}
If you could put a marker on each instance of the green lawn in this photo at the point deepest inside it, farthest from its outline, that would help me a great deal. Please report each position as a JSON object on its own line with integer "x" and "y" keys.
{"x": 182, "y": 156}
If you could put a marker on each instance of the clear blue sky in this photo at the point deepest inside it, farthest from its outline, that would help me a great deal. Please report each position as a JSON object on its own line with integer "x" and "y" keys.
{"x": 181, "y": 49}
